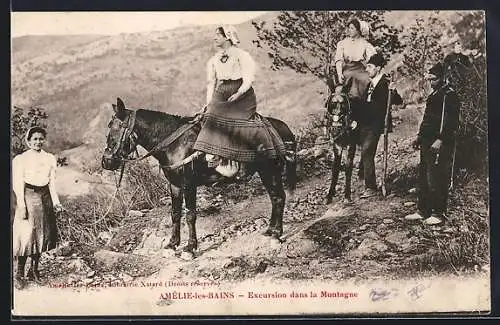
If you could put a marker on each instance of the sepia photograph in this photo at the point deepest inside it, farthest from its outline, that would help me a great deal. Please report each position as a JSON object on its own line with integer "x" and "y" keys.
{"x": 249, "y": 163}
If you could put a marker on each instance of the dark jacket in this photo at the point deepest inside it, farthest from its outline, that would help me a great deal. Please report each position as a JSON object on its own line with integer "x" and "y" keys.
{"x": 373, "y": 115}
{"x": 431, "y": 122}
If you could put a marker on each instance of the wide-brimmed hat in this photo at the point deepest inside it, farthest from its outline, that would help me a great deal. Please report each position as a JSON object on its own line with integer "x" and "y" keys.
{"x": 436, "y": 70}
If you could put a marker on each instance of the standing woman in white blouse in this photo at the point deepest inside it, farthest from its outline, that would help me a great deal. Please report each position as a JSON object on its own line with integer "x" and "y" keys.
{"x": 34, "y": 225}
{"x": 350, "y": 59}
{"x": 231, "y": 101}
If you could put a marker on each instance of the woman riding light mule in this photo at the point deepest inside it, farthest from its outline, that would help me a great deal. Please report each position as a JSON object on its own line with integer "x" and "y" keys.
{"x": 170, "y": 139}
{"x": 350, "y": 59}
{"x": 232, "y": 132}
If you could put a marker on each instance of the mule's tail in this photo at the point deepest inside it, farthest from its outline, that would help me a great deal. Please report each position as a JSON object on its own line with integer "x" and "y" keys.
{"x": 290, "y": 143}
{"x": 291, "y": 166}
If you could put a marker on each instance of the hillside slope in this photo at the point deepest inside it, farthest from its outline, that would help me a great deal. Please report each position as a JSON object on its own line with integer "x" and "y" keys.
{"x": 74, "y": 77}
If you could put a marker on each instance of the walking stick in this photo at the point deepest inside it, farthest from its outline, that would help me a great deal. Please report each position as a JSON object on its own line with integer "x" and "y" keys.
{"x": 386, "y": 138}
{"x": 453, "y": 165}
{"x": 442, "y": 123}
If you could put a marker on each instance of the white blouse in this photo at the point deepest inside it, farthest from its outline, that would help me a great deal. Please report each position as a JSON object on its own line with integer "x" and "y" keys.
{"x": 354, "y": 49}
{"x": 232, "y": 64}
{"x": 35, "y": 168}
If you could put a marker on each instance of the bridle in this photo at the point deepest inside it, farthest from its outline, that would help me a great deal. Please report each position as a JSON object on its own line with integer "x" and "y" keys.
{"x": 126, "y": 134}
{"x": 331, "y": 123}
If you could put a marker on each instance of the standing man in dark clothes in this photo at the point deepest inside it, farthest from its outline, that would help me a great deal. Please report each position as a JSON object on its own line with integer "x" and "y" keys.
{"x": 435, "y": 140}
{"x": 372, "y": 120}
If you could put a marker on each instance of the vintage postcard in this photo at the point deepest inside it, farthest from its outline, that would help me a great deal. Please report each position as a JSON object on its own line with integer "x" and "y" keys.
{"x": 249, "y": 163}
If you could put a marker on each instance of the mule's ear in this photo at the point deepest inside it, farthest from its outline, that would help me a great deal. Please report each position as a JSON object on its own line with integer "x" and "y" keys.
{"x": 119, "y": 108}
{"x": 120, "y": 103}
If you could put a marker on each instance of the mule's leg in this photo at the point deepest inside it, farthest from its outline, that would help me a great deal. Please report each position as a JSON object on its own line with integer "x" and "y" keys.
{"x": 348, "y": 172}
{"x": 337, "y": 159}
{"x": 361, "y": 172}
{"x": 272, "y": 180}
{"x": 176, "y": 212}
{"x": 190, "y": 199}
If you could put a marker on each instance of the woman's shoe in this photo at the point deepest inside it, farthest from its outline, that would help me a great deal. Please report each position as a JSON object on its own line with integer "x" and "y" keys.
{"x": 228, "y": 170}
{"x": 19, "y": 283}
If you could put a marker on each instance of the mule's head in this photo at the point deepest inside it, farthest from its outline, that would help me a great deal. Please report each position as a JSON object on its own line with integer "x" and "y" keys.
{"x": 121, "y": 139}
{"x": 338, "y": 106}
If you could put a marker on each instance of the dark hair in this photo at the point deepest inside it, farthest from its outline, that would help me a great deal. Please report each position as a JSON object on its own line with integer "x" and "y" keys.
{"x": 356, "y": 24}
{"x": 36, "y": 129}
{"x": 221, "y": 31}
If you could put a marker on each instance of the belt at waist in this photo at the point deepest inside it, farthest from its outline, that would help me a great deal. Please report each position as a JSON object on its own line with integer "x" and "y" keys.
{"x": 230, "y": 80}
{"x": 35, "y": 187}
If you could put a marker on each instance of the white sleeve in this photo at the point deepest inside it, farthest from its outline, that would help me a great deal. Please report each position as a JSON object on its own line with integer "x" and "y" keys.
{"x": 369, "y": 50}
{"x": 52, "y": 181}
{"x": 339, "y": 53}
{"x": 18, "y": 179}
{"x": 248, "y": 70}
{"x": 211, "y": 79}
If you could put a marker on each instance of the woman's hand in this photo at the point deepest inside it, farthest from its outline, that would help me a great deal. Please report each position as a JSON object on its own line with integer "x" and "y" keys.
{"x": 234, "y": 96}
{"x": 341, "y": 78}
{"x": 436, "y": 146}
{"x": 21, "y": 210}
{"x": 416, "y": 143}
{"x": 58, "y": 208}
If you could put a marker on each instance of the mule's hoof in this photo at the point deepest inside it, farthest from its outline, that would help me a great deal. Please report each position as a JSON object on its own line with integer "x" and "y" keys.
{"x": 187, "y": 256}
{"x": 168, "y": 252}
{"x": 275, "y": 243}
{"x": 268, "y": 232}
{"x": 347, "y": 201}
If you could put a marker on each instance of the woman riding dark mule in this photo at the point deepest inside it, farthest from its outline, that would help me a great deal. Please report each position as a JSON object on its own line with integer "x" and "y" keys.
{"x": 170, "y": 140}
{"x": 232, "y": 133}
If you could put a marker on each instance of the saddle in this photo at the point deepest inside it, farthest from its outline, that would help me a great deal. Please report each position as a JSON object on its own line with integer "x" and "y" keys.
{"x": 223, "y": 166}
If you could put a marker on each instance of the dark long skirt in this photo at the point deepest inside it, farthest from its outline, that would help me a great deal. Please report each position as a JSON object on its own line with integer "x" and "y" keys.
{"x": 234, "y": 130}
{"x": 357, "y": 80}
{"x": 37, "y": 233}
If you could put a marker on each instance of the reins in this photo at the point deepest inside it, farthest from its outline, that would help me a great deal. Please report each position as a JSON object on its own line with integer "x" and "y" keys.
{"x": 128, "y": 132}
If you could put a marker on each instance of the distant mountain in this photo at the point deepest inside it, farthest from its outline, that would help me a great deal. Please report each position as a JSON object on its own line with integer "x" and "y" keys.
{"x": 76, "y": 77}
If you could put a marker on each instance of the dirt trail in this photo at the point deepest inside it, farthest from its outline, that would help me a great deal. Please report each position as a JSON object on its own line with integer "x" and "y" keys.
{"x": 320, "y": 241}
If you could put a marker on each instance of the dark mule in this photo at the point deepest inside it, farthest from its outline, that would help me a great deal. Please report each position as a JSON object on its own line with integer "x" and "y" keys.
{"x": 169, "y": 139}
{"x": 343, "y": 132}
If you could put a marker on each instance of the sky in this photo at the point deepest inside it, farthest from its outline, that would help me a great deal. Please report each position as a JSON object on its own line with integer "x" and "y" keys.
{"x": 113, "y": 23}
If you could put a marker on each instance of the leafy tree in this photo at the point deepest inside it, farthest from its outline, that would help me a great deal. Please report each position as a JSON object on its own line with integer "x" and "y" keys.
{"x": 306, "y": 41}
{"x": 22, "y": 120}
{"x": 422, "y": 48}
{"x": 472, "y": 91}
{"x": 471, "y": 29}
